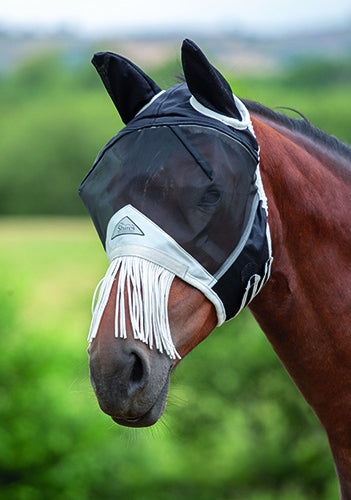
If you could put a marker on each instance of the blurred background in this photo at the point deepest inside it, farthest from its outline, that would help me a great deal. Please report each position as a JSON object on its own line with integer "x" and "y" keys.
{"x": 235, "y": 426}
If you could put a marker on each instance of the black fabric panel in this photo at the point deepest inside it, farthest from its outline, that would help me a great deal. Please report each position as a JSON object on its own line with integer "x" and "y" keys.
{"x": 252, "y": 260}
{"x": 173, "y": 108}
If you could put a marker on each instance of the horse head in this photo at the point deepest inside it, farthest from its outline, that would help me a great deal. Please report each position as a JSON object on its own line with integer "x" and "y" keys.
{"x": 178, "y": 203}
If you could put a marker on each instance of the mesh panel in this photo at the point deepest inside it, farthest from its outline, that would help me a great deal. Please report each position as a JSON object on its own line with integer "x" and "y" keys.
{"x": 194, "y": 182}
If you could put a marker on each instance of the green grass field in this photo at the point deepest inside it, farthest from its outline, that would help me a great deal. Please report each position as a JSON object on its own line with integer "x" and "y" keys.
{"x": 235, "y": 427}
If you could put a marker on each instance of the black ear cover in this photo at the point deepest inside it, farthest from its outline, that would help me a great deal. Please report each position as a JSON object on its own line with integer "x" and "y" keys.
{"x": 206, "y": 83}
{"x": 128, "y": 86}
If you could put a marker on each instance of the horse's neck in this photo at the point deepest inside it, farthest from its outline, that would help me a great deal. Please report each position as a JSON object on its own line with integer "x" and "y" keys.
{"x": 309, "y": 206}
{"x": 309, "y": 201}
{"x": 305, "y": 308}
{"x": 300, "y": 173}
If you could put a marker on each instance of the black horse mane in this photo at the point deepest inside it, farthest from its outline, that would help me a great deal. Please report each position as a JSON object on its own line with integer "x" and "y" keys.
{"x": 301, "y": 125}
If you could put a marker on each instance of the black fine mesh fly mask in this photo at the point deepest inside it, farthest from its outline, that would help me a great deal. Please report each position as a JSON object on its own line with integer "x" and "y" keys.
{"x": 177, "y": 192}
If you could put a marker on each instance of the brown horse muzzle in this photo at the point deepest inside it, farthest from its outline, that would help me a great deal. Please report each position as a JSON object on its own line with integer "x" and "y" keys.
{"x": 130, "y": 380}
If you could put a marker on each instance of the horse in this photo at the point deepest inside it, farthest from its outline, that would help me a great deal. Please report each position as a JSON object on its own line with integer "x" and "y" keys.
{"x": 299, "y": 280}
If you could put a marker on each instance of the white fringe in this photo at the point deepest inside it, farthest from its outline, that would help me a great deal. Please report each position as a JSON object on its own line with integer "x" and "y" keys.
{"x": 143, "y": 287}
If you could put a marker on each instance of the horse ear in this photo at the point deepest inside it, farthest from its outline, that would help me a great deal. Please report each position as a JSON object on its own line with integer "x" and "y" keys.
{"x": 128, "y": 86}
{"x": 206, "y": 83}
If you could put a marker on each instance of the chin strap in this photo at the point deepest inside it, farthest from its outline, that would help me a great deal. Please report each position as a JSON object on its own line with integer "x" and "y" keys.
{"x": 141, "y": 297}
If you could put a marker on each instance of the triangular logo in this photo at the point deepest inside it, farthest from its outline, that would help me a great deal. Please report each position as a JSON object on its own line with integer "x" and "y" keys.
{"x": 126, "y": 226}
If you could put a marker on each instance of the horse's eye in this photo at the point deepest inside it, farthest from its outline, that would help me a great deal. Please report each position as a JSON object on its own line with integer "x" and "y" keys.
{"x": 211, "y": 197}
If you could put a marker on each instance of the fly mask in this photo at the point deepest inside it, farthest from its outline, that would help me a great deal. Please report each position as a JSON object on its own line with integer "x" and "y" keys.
{"x": 177, "y": 192}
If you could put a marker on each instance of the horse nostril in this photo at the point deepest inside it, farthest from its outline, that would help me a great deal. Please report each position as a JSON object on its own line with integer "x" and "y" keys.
{"x": 137, "y": 371}
{"x": 138, "y": 375}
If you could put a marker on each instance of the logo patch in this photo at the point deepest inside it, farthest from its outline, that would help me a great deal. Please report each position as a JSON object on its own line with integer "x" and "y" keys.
{"x": 126, "y": 226}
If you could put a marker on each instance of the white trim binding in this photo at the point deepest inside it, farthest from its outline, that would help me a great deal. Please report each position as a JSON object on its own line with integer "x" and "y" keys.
{"x": 242, "y": 124}
{"x": 156, "y": 96}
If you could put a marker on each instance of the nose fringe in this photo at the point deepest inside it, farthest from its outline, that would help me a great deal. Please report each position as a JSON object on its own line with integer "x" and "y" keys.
{"x": 141, "y": 302}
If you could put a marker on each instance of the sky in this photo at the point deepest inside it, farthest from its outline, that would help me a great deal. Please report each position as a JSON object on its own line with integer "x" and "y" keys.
{"x": 98, "y": 17}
